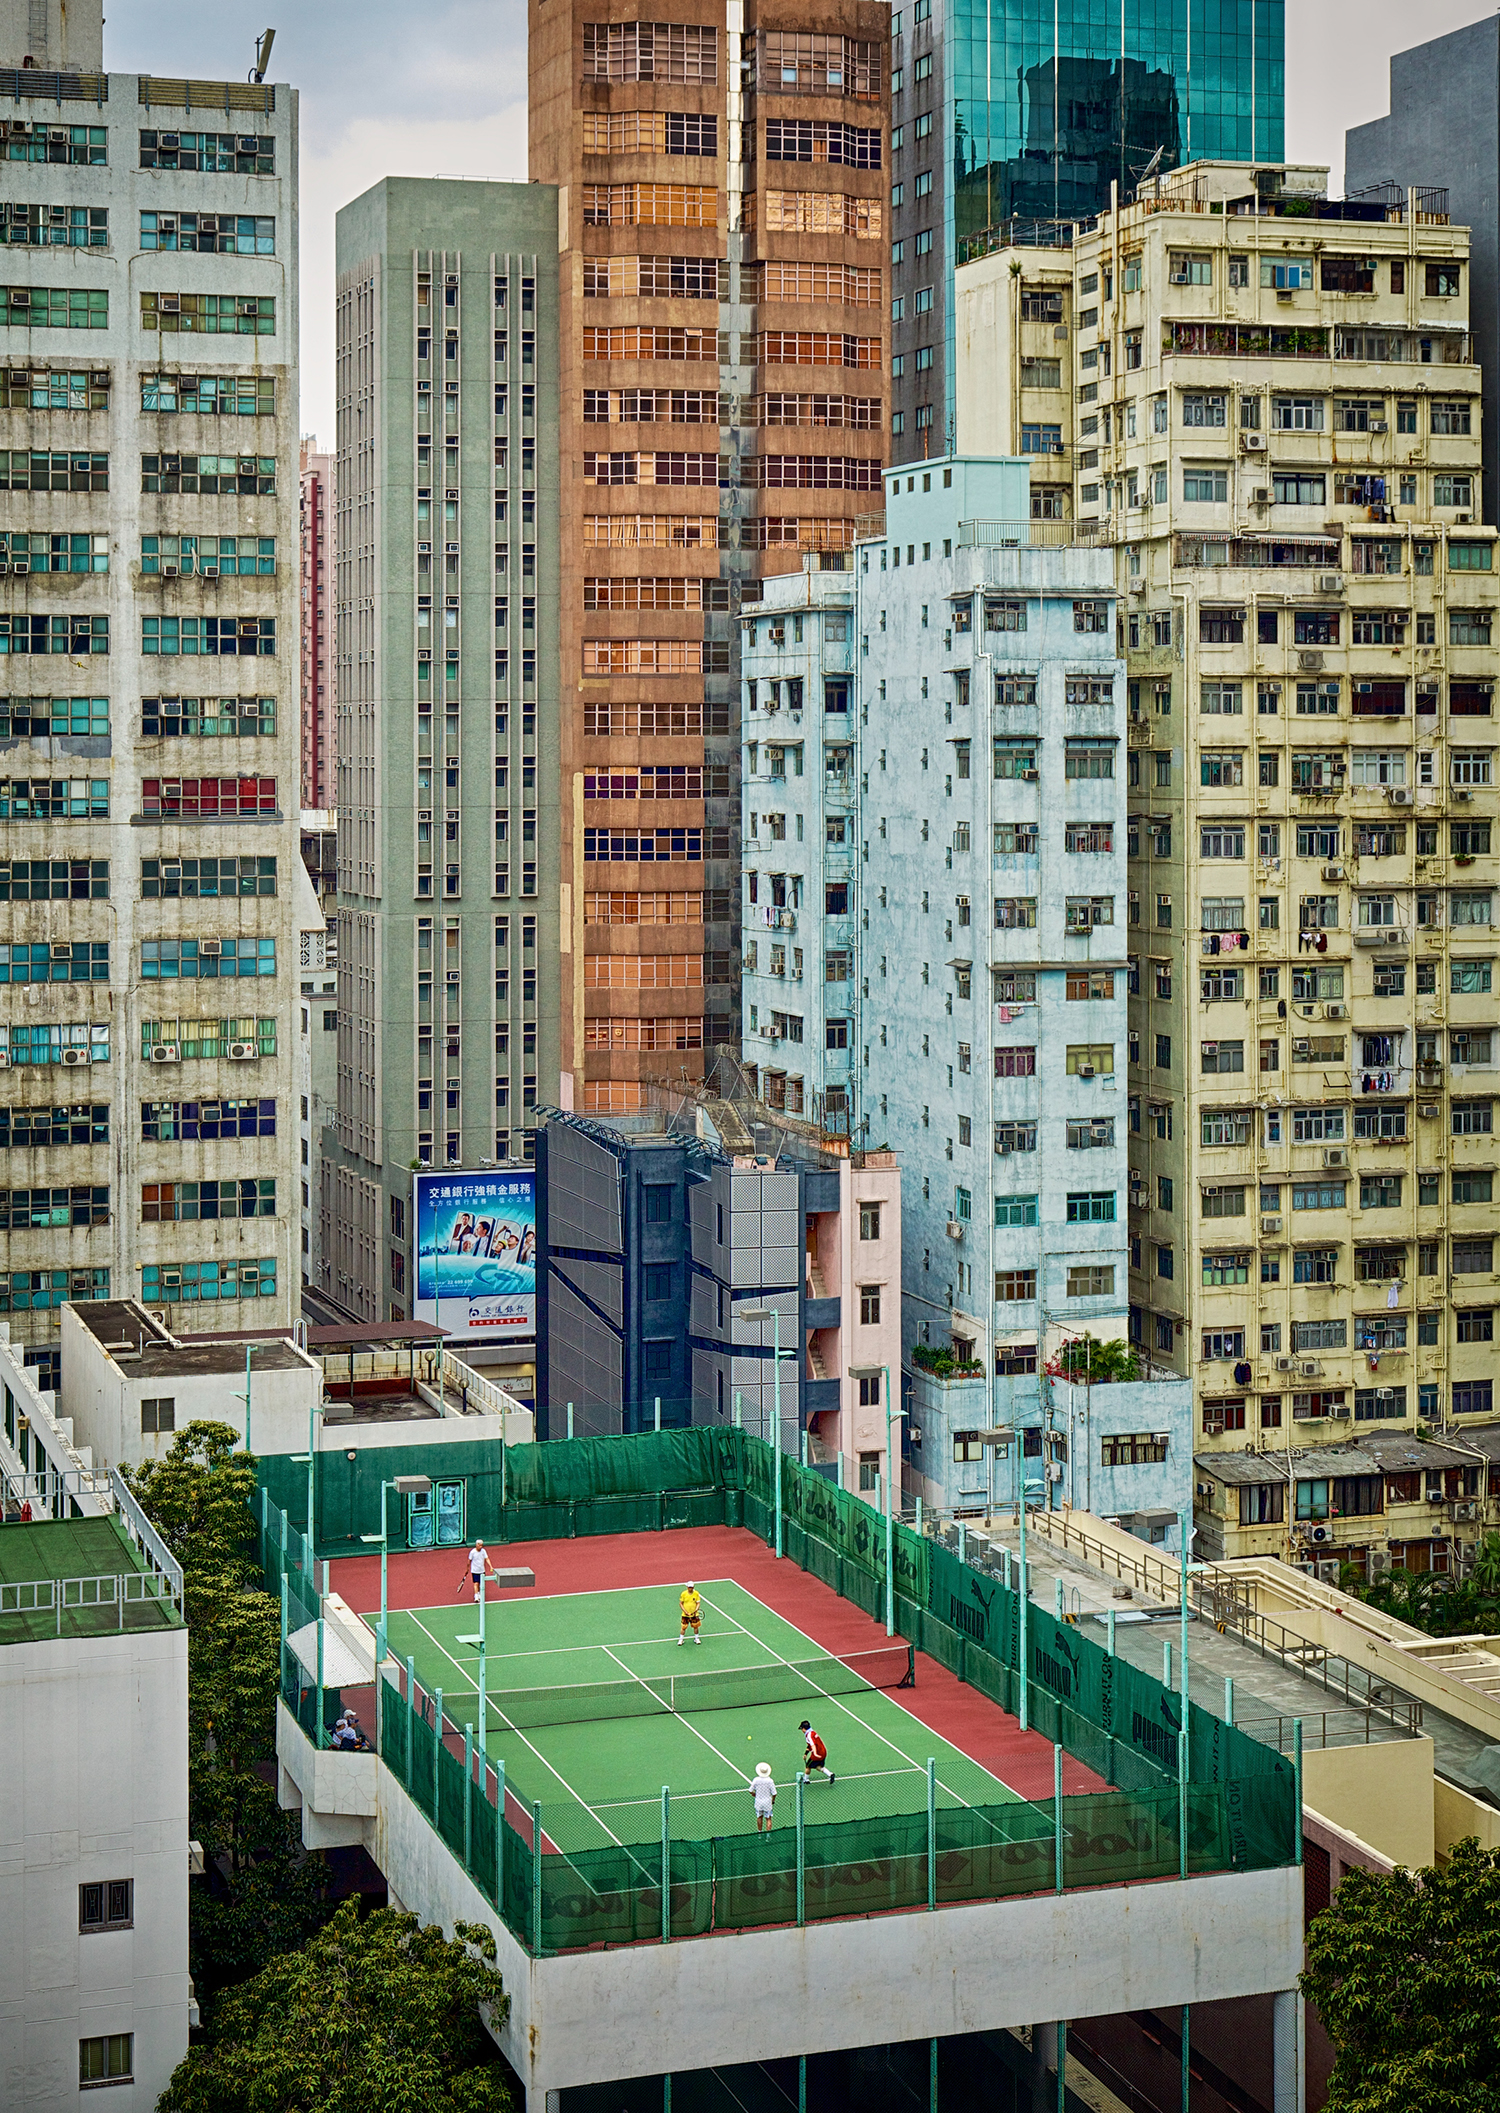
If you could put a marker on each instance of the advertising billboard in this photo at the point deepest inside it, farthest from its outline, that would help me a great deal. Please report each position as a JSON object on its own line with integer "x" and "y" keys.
{"x": 476, "y": 1252}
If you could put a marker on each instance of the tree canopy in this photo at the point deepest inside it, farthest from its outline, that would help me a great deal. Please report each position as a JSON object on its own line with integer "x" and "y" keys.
{"x": 1405, "y": 1972}
{"x": 376, "y": 2013}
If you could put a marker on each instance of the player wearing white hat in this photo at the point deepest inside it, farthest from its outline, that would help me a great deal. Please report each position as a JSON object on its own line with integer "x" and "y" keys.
{"x": 764, "y": 1792}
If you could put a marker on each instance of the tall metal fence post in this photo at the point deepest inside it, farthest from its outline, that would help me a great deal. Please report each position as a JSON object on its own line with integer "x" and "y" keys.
{"x": 1057, "y": 1598}
{"x": 802, "y": 2083}
{"x": 658, "y": 1412}
{"x": 1297, "y": 1779}
{"x": 570, "y": 1419}
{"x": 1025, "y": 1591}
{"x": 1057, "y": 1814}
{"x": 932, "y": 2095}
{"x": 500, "y": 1839}
{"x": 1187, "y": 2059}
{"x": 318, "y": 1720}
{"x": 468, "y": 1797}
{"x": 1062, "y": 2065}
{"x": 931, "y": 1832}
{"x": 1182, "y": 1803}
{"x": 437, "y": 1760}
{"x": 1229, "y": 1698}
{"x": 801, "y": 1856}
{"x": 536, "y": 1880}
{"x": 666, "y": 1865}
{"x": 1109, "y": 1625}
{"x": 739, "y": 1413}
{"x": 963, "y": 1541}
{"x": 1166, "y": 1663}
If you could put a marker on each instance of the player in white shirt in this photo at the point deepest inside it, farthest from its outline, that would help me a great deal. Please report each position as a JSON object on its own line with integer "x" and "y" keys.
{"x": 764, "y": 1792}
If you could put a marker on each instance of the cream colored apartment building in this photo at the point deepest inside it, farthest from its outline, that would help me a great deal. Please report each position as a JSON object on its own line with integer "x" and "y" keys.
{"x": 1267, "y": 404}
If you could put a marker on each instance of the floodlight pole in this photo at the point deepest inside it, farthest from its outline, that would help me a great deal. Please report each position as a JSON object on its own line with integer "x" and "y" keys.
{"x": 890, "y": 1520}
{"x": 245, "y": 1398}
{"x": 776, "y": 1399}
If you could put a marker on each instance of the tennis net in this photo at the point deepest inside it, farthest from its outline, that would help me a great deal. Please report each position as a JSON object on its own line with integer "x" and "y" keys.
{"x": 720, "y": 1687}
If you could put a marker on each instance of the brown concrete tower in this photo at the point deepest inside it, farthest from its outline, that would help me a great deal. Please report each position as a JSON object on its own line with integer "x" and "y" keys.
{"x": 724, "y": 415}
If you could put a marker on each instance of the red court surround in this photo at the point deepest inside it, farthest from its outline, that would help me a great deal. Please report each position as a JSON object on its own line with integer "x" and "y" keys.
{"x": 610, "y": 1562}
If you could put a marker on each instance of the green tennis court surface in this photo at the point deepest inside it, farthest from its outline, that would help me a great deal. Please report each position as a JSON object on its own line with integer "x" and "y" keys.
{"x": 593, "y": 1707}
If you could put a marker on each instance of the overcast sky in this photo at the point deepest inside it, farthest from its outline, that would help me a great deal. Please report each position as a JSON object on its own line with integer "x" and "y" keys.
{"x": 440, "y": 89}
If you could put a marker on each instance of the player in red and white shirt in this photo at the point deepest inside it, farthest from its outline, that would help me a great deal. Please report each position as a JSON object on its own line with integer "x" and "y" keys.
{"x": 815, "y": 1753}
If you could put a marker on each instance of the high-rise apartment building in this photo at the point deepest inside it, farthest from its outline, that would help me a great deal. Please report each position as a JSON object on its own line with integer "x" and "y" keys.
{"x": 1001, "y": 114}
{"x": 319, "y": 690}
{"x": 449, "y": 933}
{"x": 723, "y": 412}
{"x": 993, "y": 749}
{"x": 799, "y": 761}
{"x": 148, "y": 846}
{"x": 1277, "y": 435}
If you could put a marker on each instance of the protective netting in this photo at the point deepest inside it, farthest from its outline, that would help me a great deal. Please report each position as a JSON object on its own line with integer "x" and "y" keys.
{"x": 1237, "y": 1806}
{"x": 723, "y": 1687}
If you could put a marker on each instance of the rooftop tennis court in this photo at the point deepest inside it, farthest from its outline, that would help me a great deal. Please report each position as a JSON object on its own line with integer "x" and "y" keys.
{"x": 593, "y": 1708}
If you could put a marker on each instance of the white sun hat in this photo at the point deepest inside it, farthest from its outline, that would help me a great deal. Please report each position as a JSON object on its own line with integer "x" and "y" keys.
{"x": 762, "y": 1768}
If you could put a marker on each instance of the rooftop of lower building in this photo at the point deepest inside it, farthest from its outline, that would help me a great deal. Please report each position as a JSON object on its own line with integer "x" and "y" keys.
{"x": 78, "y": 1578}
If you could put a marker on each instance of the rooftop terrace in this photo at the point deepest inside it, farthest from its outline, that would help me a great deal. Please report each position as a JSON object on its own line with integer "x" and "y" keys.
{"x": 81, "y": 1578}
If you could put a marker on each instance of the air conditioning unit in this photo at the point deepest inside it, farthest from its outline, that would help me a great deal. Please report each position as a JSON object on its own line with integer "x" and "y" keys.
{"x": 1429, "y": 1110}
{"x": 1336, "y": 1156}
{"x": 1270, "y": 1225}
{"x": 170, "y": 304}
{"x": 1054, "y": 1471}
{"x": 955, "y": 1229}
{"x": 1261, "y": 496}
{"x": 1179, "y": 278}
{"x": 21, "y": 566}
{"x": 165, "y": 1053}
{"x": 168, "y": 139}
{"x": 1330, "y": 583}
{"x": 1030, "y": 776}
{"x": 1379, "y": 425}
{"x": 1463, "y": 1514}
{"x": 1137, "y": 587}
{"x": 1286, "y": 1364}
{"x": 75, "y": 1056}
{"x": 210, "y": 947}
{"x": 243, "y": 1052}
{"x": 247, "y": 143}
{"x": 1335, "y": 1012}
{"x": 4, "y": 1060}
{"x": 1333, "y": 873}
{"x": 1398, "y": 796}
{"x": 209, "y": 571}
{"x": 62, "y": 950}
{"x": 1310, "y": 663}
{"x": 1085, "y": 1071}
{"x": 1255, "y": 443}
{"x": 248, "y": 306}
{"x": 168, "y": 569}
{"x": 1462, "y": 792}
{"x": 1310, "y": 1368}
{"x": 770, "y": 1034}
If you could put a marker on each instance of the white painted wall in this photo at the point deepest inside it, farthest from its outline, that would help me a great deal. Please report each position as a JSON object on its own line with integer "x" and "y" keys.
{"x": 93, "y": 1754}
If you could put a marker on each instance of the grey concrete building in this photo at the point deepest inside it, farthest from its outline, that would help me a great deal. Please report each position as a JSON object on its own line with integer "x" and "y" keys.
{"x": 450, "y": 938}
{"x": 1443, "y": 133}
{"x": 148, "y": 622}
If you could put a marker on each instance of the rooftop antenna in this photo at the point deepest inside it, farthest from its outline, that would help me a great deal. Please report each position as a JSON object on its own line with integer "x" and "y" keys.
{"x": 1145, "y": 175}
{"x": 262, "y": 55}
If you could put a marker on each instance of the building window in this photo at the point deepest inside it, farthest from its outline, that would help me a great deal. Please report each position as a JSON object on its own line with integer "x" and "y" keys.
{"x": 110, "y": 2060}
{"x": 869, "y": 1305}
{"x": 1133, "y": 1449}
{"x": 869, "y": 1470}
{"x": 869, "y": 1391}
{"x": 108, "y": 1904}
{"x": 869, "y": 1221}
{"x": 159, "y": 1413}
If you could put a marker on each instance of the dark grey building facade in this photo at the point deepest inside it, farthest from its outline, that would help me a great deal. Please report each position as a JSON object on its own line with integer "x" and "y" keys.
{"x": 651, "y": 1246}
{"x": 1443, "y": 132}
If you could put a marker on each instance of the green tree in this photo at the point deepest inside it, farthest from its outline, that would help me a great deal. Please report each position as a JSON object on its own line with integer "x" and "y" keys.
{"x": 1405, "y": 1972}
{"x": 1486, "y": 1571}
{"x": 1095, "y": 1362}
{"x": 266, "y": 1895}
{"x": 379, "y": 2014}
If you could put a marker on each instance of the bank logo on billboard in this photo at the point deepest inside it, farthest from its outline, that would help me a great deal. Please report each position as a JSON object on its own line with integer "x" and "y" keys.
{"x": 476, "y": 1252}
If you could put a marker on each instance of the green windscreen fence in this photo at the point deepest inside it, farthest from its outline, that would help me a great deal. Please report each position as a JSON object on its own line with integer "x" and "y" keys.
{"x": 1238, "y": 1806}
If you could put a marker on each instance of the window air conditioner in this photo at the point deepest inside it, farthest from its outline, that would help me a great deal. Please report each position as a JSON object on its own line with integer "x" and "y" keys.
{"x": 210, "y": 947}
{"x": 249, "y": 306}
{"x": 243, "y": 1052}
{"x": 209, "y": 570}
{"x": 21, "y": 566}
{"x": 165, "y": 1053}
{"x": 1379, "y": 425}
{"x": 168, "y": 570}
{"x": 955, "y": 1229}
{"x": 170, "y": 304}
{"x": 169, "y": 139}
{"x": 1271, "y": 1225}
{"x": 1179, "y": 278}
{"x": 62, "y": 950}
{"x": 1086, "y": 1071}
{"x": 75, "y": 1056}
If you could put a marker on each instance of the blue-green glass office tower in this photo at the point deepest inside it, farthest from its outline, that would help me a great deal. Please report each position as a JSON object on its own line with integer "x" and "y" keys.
{"x": 1026, "y": 111}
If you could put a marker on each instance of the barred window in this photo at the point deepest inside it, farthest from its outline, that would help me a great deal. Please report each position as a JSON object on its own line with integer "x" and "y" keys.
{"x": 650, "y": 205}
{"x": 211, "y": 153}
{"x": 174, "y": 1283}
{"x": 247, "y": 476}
{"x": 165, "y": 1201}
{"x": 54, "y": 308}
{"x": 650, "y": 51}
{"x": 210, "y": 314}
{"x": 30, "y": 1209}
{"x": 202, "y": 879}
{"x": 73, "y": 635}
{"x": 1014, "y": 1285}
{"x": 807, "y": 139}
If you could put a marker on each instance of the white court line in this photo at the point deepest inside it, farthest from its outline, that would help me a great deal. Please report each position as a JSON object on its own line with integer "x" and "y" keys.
{"x": 823, "y": 1651}
{"x": 718, "y": 1755}
{"x": 567, "y": 1786}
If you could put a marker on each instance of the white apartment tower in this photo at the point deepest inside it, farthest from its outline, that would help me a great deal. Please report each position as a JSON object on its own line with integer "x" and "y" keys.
{"x": 1274, "y": 424}
{"x": 148, "y": 616}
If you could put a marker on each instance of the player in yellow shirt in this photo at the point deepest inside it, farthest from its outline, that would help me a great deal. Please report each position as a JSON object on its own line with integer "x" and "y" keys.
{"x": 687, "y": 1600}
